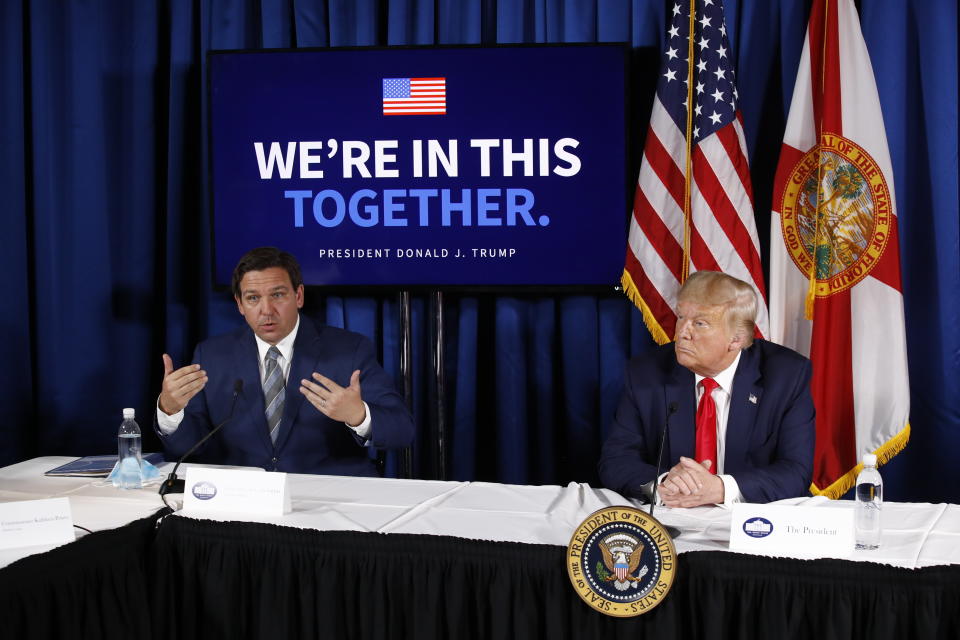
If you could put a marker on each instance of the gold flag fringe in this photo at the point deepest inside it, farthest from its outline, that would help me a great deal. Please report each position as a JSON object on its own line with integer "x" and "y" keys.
{"x": 884, "y": 454}
{"x": 630, "y": 289}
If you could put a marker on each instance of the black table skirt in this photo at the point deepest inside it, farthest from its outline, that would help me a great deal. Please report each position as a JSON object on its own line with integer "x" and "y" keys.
{"x": 201, "y": 579}
{"x": 96, "y": 587}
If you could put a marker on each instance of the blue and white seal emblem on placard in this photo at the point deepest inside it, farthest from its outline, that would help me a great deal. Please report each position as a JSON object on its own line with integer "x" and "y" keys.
{"x": 621, "y": 561}
{"x": 757, "y": 527}
{"x": 203, "y": 490}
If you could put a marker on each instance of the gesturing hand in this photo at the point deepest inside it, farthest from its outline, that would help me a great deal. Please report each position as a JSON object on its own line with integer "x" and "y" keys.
{"x": 180, "y": 385}
{"x": 343, "y": 404}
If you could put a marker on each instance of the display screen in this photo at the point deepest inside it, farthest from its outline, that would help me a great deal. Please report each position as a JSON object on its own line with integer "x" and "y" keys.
{"x": 472, "y": 166}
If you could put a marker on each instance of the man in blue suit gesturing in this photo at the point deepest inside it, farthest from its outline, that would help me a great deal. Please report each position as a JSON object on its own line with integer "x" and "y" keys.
{"x": 739, "y": 411}
{"x": 282, "y": 359}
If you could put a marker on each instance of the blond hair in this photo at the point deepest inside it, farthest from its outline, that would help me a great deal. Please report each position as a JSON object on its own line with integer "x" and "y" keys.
{"x": 716, "y": 289}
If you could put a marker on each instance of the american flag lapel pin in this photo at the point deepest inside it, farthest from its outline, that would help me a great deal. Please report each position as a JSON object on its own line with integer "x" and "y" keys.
{"x": 752, "y": 399}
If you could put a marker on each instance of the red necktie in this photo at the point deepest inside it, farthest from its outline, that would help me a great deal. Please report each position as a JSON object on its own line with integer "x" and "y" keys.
{"x": 707, "y": 425}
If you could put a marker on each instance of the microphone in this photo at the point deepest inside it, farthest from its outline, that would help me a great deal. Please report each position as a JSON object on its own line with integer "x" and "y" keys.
{"x": 174, "y": 485}
{"x": 671, "y": 409}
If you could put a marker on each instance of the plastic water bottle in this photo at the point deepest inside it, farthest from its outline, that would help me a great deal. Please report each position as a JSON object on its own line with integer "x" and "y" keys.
{"x": 869, "y": 496}
{"x": 128, "y": 442}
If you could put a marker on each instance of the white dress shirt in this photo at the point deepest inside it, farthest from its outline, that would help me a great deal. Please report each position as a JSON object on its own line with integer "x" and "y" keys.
{"x": 721, "y": 398}
{"x": 169, "y": 423}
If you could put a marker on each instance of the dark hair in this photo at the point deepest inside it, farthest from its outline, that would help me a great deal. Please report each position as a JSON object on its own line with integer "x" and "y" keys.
{"x": 264, "y": 258}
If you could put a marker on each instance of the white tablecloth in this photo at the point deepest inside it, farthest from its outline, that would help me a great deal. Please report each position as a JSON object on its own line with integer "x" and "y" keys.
{"x": 914, "y": 535}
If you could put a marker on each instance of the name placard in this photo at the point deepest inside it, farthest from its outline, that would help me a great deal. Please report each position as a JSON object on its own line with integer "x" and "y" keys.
{"x": 35, "y": 522}
{"x": 235, "y": 491}
{"x": 792, "y": 531}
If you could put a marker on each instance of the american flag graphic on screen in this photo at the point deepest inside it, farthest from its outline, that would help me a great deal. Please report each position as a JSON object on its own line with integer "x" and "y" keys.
{"x": 414, "y": 96}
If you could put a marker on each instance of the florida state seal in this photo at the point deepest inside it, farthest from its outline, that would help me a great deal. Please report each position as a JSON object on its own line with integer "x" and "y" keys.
{"x": 836, "y": 214}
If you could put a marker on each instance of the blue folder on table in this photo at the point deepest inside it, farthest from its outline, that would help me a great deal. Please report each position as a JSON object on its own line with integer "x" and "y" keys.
{"x": 97, "y": 466}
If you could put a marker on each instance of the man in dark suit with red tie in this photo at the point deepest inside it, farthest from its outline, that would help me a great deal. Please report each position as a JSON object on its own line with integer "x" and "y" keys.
{"x": 739, "y": 410}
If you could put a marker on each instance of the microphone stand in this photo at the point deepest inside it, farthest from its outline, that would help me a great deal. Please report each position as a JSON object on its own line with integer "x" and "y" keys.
{"x": 173, "y": 484}
{"x": 671, "y": 409}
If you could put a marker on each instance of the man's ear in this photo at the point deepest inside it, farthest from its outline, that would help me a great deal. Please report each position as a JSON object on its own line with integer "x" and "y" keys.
{"x": 239, "y": 305}
{"x": 737, "y": 341}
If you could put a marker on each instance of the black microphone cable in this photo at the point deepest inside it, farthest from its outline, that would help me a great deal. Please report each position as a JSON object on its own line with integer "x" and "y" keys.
{"x": 174, "y": 485}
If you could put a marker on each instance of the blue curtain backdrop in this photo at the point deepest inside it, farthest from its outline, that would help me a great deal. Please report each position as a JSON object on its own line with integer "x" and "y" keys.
{"x": 106, "y": 247}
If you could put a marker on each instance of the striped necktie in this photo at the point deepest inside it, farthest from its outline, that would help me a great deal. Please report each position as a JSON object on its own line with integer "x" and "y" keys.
{"x": 273, "y": 392}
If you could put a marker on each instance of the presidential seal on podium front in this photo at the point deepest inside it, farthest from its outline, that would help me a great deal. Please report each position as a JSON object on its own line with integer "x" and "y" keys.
{"x": 621, "y": 561}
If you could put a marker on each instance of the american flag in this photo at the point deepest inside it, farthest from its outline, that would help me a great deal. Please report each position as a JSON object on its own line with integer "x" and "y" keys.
{"x": 414, "y": 96}
{"x": 693, "y": 206}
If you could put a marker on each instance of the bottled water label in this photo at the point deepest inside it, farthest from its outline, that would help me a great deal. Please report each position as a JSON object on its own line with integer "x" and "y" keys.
{"x": 868, "y": 492}
{"x": 129, "y": 445}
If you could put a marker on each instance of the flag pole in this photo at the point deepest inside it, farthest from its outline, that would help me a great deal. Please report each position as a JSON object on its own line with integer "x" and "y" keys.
{"x": 811, "y": 299}
{"x": 687, "y": 212}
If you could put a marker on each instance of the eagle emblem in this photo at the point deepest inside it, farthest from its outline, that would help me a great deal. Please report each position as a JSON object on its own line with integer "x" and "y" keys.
{"x": 621, "y": 561}
{"x": 621, "y": 555}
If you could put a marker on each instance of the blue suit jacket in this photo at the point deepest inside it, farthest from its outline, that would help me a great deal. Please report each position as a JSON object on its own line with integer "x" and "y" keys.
{"x": 769, "y": 442}
{"x": 308, "y": 441}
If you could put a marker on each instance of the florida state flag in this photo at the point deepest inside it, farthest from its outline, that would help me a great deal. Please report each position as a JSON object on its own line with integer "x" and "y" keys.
{"x": 835, "y": 291}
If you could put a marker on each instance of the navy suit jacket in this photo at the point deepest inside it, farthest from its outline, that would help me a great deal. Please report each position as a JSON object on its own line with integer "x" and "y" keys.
{"x": 770, "y": 427}
{"x": 308, "y": 441}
